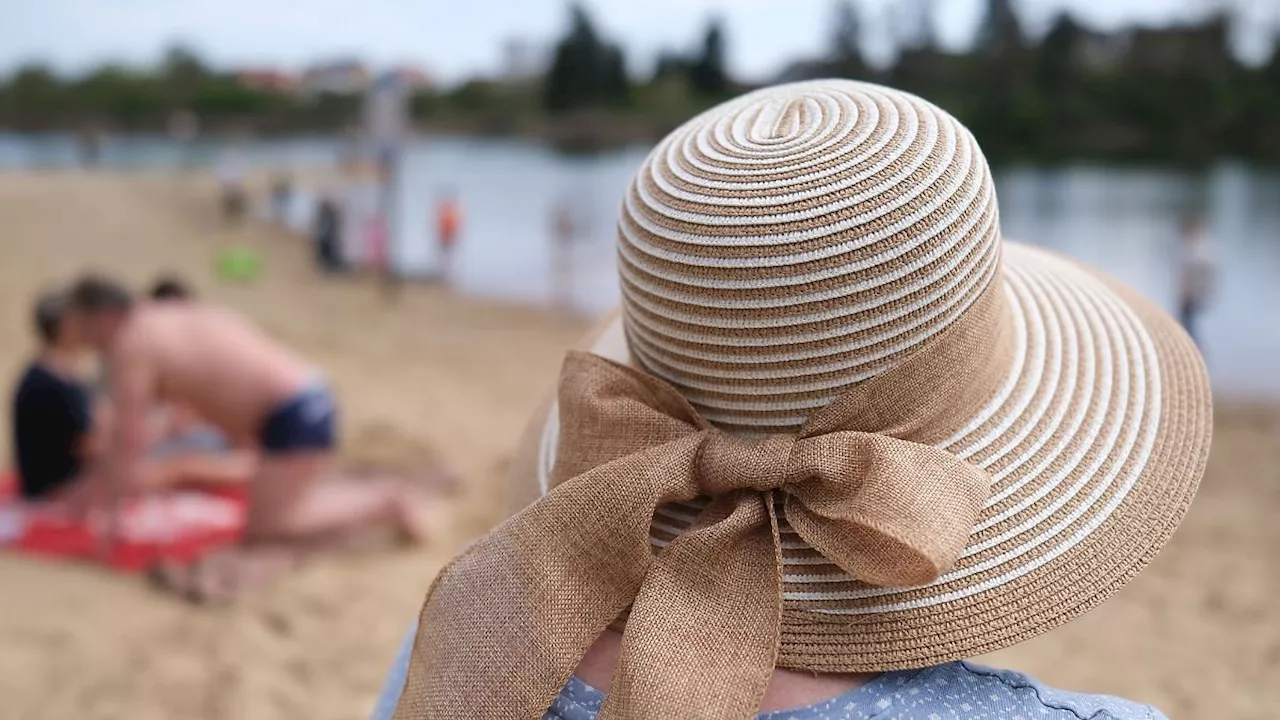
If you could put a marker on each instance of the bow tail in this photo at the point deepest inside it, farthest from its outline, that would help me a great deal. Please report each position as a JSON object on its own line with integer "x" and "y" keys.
{"x": 505, "y": 624}
{"x": 705, "y": 623}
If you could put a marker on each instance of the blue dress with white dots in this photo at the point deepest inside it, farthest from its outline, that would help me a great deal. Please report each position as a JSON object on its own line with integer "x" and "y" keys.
{"x": 954, "y": 691}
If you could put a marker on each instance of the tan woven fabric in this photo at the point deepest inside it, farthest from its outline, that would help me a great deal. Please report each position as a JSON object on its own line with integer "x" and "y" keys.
{"x": 888, "y": 510}
{"x": 829, "y": 344}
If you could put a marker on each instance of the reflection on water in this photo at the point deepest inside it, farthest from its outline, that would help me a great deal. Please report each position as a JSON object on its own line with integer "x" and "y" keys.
{"x": 1122, "y": 220}
{"x": 1126, "y": 222}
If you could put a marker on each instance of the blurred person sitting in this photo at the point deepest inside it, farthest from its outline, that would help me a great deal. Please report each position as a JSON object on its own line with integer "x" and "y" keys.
{"x": 59, "y": 426}
{"x": 52, "y": 409}
{"x": 258, "y": 393}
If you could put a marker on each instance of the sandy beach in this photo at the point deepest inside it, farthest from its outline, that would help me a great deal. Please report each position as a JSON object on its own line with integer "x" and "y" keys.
{"x": 440, "y": 377}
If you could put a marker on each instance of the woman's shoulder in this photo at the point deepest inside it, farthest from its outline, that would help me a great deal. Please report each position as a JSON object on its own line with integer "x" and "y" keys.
{"x": 1006, "y": 694}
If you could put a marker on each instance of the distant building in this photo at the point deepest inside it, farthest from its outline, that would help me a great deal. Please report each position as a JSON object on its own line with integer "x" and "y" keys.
{"x": 268, "y": 80}
{"x": 414, "y": 78}
{"x": 1101, "y": 51}
{"x": 343, "y": 77}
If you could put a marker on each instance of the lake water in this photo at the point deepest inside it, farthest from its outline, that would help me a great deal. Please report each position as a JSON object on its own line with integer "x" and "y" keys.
{"x": 1123, "y": 220}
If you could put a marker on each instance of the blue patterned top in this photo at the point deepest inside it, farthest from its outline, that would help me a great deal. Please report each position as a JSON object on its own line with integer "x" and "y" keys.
{"x": 954, "y": 691}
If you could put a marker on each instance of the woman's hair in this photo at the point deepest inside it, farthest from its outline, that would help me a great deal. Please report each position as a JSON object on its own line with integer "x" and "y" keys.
{"x": 99, "y": 294}
{"x": 47, "y": 315}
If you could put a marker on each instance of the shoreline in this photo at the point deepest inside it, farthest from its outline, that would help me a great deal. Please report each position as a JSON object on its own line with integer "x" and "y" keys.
{"x": 568, "y": 136}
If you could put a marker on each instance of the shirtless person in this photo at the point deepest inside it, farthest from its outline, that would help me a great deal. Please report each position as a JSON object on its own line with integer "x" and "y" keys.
{"x": 255, "y": 391}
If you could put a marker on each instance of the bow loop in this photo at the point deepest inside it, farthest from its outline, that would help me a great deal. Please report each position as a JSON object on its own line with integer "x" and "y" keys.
{"x": 889, "y": 512}
{"x": 727, "y": 463}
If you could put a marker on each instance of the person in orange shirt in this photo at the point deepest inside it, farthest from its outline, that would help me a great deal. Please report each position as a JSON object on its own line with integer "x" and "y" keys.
{"x": 448, "y": 225}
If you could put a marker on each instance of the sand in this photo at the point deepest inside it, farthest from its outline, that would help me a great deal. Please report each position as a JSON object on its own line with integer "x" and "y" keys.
{"x": 440, "y": 377}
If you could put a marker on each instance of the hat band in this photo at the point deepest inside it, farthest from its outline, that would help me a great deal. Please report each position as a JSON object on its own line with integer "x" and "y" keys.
{"x": 937, "y": 390}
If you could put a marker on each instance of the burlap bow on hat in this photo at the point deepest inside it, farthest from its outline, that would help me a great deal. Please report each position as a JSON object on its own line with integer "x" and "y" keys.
{"x": 532, "y": 596}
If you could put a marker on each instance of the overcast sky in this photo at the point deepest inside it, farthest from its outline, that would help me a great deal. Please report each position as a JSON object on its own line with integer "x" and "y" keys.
{"x": 461, "y": 38}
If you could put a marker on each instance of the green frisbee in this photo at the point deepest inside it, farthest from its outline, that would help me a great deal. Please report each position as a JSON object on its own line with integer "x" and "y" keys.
{"x": 238, "y": 264}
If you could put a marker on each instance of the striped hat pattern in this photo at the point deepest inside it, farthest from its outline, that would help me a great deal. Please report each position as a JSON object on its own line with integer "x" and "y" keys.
{"x": 781, "y": 248}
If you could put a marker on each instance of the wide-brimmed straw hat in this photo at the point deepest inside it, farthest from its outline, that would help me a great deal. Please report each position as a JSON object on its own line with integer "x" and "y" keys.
{"x": 852, "y": 430}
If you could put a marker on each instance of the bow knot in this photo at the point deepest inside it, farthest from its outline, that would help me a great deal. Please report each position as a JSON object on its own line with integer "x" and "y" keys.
{"x": 727, "y": 463}
{"x": 706, "y": 609}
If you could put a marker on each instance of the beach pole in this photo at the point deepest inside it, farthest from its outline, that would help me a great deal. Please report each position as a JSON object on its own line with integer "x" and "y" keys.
{"x": 386, "y": 120}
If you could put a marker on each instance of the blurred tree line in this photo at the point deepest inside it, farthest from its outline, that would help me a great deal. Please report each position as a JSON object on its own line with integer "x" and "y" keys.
{"x": 1176, "y": 93}
{"x": 1172, "y": 94}
{"x": 123, "y": 99}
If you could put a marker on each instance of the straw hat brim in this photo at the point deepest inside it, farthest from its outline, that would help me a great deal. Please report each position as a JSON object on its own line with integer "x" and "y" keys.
{"x": 1096, "y": 442}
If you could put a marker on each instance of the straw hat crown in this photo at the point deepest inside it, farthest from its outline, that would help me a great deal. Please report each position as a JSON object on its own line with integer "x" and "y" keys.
{"x": 782, "y": 247}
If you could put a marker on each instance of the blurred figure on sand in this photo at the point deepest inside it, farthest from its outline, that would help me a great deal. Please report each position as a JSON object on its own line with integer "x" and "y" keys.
{"x": 230, "y": 172}
{"x": 281, "y": 200}
{"x": 564, "y": 229}
{"x": 357, "y": 201}
{"x": 1196, "y": 274}
{"x": 89, "y": 145}
{"x": 448, "y": 227}
{"x": 184, "y": 128}
{"x": 60, "y": 428}
{"x": 325, "y": 234}
{"x": 259, "y": 394}
{"x": 380, "y": 234}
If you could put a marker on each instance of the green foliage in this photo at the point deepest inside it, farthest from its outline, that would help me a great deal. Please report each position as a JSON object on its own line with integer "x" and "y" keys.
{"x": 586, "y": 72}
{"x": 33, "y": 97}
{"x": 845, "y": 55}
{"x": 129, "y": 99}
{"x": 123, "y": 99}
{"x": 1175, "y": 94}
{"x": 707, "y": 75}
{"x": 223, "y": 97}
